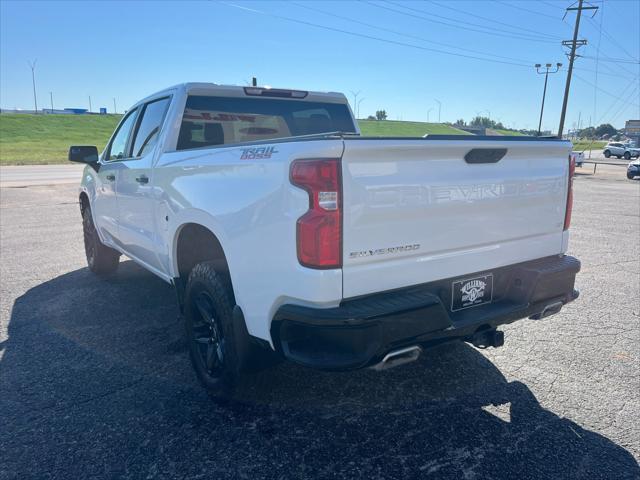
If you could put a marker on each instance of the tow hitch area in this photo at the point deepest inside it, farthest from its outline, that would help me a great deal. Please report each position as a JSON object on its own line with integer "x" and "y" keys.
{"x": 398, "y": 357}
{"x": 487, "y": 338}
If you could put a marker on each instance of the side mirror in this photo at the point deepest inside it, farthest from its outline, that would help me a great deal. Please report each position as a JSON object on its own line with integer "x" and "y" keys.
{"x": 83, "y": 154}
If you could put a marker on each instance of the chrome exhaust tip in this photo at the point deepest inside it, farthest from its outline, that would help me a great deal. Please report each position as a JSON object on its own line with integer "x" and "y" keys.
{"x": 398, "y": 357}
{"x": 548, "y": 310}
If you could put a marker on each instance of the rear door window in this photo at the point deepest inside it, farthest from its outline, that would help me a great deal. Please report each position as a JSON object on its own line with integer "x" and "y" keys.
{"x": 149, "y": 127}
{"x": 209, "y": 121}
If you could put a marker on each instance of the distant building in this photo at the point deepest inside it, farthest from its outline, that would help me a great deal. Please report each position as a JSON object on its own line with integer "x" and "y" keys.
{"x": 632, "y": 130}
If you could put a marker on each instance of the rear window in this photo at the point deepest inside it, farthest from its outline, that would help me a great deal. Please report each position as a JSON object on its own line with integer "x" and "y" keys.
{"x": 211, "y": 121}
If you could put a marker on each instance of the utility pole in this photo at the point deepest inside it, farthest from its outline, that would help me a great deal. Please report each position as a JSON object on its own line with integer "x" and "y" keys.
{"x": 544, "y": 92}
{"x": 89, "y": 103}
{"x": 439, "y": 108}
{"x": 115, "y": 110}
{"x": 33, "y": 79}
{"x": 355, "y": 102}
{"x": 575, "y": 43}
{"x": 51, "y": 95}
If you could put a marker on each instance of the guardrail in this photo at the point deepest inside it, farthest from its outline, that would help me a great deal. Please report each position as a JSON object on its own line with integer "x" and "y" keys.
{"x": 595, "y": 164}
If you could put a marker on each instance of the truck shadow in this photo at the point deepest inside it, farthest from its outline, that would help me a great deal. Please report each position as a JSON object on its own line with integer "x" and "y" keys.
{"x": 95, "y": 381}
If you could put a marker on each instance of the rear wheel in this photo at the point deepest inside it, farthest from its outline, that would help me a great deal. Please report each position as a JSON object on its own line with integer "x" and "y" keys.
{"x": 607, "y": 154}
{"x": 627, "y": 156}
{"x": 209, "y": 329}
{"x": 100, "y": 258}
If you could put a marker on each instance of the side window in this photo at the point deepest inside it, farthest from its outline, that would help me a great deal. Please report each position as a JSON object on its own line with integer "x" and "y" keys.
{"x": 149, "y": 129}
{"x": 118, "y": 148}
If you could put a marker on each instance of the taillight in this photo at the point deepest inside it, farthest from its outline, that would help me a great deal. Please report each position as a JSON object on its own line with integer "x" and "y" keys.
{"x": 567, "y": 212}
{"x": 319, "y": 230}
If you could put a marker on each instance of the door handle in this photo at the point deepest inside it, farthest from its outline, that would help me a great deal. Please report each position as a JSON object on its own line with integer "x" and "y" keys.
{"x": 142, "y": 179}
{"x": 110, "y": 177}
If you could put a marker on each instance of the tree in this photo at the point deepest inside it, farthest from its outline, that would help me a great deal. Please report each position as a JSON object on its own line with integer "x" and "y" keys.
{"x": 588, "y": 132}
{"x": 605, "y": 129}
{"x": 460, "y": 123}
{"x": 371, "y": 117}
{"x": 381, "y": 115}
{"x": 482, "y": 122}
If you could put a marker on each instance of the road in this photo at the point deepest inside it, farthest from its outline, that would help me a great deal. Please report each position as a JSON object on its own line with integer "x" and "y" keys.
{"x": 25, "y": 175}
{"x": 95, "y": 380}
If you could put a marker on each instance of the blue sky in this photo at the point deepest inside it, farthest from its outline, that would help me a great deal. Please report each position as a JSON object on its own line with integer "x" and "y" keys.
{"x": 390, "y": 51}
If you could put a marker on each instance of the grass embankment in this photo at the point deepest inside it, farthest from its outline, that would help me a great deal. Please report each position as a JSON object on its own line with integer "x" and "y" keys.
{"x": 43, "y": 139}
{"x": 393, "y": 128}
{"x": 508, "y": 133}
{"x": 582, "y": 145}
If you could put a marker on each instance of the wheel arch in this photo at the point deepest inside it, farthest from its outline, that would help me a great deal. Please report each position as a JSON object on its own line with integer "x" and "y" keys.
{"x": 195, "y": 243}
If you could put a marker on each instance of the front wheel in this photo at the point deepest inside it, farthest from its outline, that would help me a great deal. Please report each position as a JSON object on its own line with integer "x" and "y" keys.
{"x": 607, "y": 154}
{"x": 101, "y": 259}
{"x": 209, "y": 329}
{"x": 627, "y": 156}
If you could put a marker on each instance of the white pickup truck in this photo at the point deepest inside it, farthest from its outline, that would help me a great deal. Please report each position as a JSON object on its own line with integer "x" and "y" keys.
{"x": 285, "y": 231}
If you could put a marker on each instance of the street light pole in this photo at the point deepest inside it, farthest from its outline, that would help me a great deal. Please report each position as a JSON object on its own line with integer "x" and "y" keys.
{"x": 33, "y": 79}
{"x": 355, "y": 101}
{"x": 51, "y": 95}
{"x": 115, "y": 110}
{"x": 358, "y": 108}
{"x": 439, "y": 108}
{"x": 89, "y": 103}
{"x": 544, "y": 92}
{"x": 428, "y": 112}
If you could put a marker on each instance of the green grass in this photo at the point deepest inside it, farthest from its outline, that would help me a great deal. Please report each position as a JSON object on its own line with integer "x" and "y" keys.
{"x": 581, "y": 145}
{"x": 41, "y": 139}
{"x": 510, "y": 133}
{"x": 392, "y": 128}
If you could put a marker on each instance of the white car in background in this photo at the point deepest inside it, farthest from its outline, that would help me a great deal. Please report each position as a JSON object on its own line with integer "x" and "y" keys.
{"x": 619, "y": 150}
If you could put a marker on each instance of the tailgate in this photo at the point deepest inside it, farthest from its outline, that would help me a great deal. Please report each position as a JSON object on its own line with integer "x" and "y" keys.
{"x": 416, "y": 211}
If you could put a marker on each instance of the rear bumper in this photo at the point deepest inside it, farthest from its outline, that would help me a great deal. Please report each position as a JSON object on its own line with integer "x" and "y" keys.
{"x": 359, "y": 332}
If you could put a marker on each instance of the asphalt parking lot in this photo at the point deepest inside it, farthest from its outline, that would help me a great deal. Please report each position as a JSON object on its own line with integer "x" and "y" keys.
{"x": 95, "y": 380}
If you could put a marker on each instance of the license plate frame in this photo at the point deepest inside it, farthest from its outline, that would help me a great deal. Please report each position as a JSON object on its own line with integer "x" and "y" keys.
{"x": 471, "y": 292}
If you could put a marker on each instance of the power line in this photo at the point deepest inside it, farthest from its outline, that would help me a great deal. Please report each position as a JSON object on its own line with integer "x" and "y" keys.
{"x": 624, "y": 106}
{"x": 611, "y": 60}
{"x": 454, "y": 25}
{"x": 518, "y": 7}
{"x": 371, "y": 37}
{"x": 396, "y": 32}
{"x": 492, "y": 20}
{"x": 618, "y": 98}
{"x": 615, "y": 42}
{"x": 600, "y": 89}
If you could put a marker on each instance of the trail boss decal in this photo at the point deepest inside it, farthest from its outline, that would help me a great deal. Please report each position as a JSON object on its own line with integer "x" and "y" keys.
{"x": 257, "y": 153}
{"x": 471, "y": 292}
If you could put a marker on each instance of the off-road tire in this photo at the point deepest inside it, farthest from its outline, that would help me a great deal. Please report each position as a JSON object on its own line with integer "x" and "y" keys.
{"x": 208, "y": 316}
{"x": 102, "y": 260}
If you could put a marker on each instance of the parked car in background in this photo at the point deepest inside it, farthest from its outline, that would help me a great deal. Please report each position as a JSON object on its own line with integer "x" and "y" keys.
{"x": 619, "y": 150}
{"x": 633, "y": 170}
